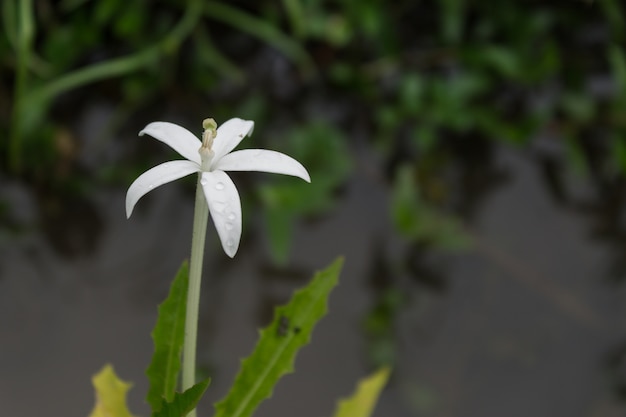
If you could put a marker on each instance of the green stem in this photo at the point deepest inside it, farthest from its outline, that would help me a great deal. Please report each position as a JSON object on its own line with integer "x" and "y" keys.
{"x": 24, "y": 40}
{"x": 200, "y": 219}
{"x": 108, "y": 69}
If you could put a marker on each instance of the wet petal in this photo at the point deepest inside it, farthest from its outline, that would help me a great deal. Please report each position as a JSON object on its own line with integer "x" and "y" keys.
{"x": 225, "y": 208}
{"x": 177, "y": 137}
{"x": 262, "y": 160}
{"x": 159, "y": 175}
{"x": 229, "y": 135}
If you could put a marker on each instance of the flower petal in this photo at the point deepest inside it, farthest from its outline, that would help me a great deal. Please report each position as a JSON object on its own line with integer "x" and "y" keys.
{"x": 177, "y": 137}
{"x": 229, "y": 135}
{"x": 225, "y": 208}
{"x": 262, "y": 160}
{"x": 154, "y": 177}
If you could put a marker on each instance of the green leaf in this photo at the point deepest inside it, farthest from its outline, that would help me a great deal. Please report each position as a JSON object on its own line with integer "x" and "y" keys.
{"x": 364, "y": 399}
{"x": 110, "y": 394}
{"x": 182, "y": 403}
{"x": 452, "y": 17}
{"x": 617, "y": 61}
{"x": 278, "y": 345}
{"x": 168, "y": 336}
{"x": 578, "y": 106}
{"x": 619, "y": 150}
{"x": 417, "y": 220}
{"x": 411, "y": 93}
{"x": 279, "y": 225}
{"x": 502, "y": 59}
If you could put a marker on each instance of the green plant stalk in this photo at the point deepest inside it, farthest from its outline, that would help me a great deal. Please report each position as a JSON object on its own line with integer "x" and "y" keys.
{"x": 24, "y": 38}
{"x": 200, "y": 219}
{"x": 95, "y": 72}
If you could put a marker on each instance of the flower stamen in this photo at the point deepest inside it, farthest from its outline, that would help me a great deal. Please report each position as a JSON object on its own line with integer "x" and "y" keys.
{"x": 209, "y": 134}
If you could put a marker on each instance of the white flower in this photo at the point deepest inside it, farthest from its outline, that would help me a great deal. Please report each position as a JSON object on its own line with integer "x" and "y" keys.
{"x": 211, "y": 157}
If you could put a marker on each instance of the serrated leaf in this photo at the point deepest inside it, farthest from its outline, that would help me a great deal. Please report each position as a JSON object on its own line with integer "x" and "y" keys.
{"x": 365, "y": 397}
{"x": 168, "y": 336}
{"x": 278, "y": 345}
{"x": 110, "y": 394}
{"x": 182, "y": 403}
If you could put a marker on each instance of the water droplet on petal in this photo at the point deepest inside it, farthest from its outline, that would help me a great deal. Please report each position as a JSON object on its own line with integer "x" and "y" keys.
{"x": 229, "y": 243}
{"x": 204, "y": 181}
{"x": 151, "y": 186}
{"x": 219, "y": 186}
{"x": 231, "y": 216}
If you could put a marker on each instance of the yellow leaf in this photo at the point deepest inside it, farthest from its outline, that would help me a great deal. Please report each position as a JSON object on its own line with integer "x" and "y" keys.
{"x": 110, "y": 394}
{"x": 364, "y": 399}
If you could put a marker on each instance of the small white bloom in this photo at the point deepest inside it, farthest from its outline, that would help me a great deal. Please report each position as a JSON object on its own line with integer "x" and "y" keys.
{"x": 211, "y": 157}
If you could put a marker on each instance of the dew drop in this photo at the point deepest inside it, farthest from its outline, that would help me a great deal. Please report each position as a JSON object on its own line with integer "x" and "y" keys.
{"x": 231, "y": 216}
{"x": 219, "y": 186}
{"x": 150, "y": 186}
{"x": 204, "y": 181}
{"x": 229, "y": 243}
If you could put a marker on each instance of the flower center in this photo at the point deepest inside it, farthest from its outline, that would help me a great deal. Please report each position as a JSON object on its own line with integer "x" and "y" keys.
{"x": 209, "y": 134}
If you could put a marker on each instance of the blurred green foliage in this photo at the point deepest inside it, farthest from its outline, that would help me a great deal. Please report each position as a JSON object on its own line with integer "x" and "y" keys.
{"x": 407, "y": 92}
{"x": 323, "y": 150}
{"x": 379, "y": 326}
{"x": 420, "y": 222}
{"x": 406, "y": 78}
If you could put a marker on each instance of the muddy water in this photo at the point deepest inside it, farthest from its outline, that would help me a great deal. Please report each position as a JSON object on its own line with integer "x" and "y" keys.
{"x": 526, "y": 324}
